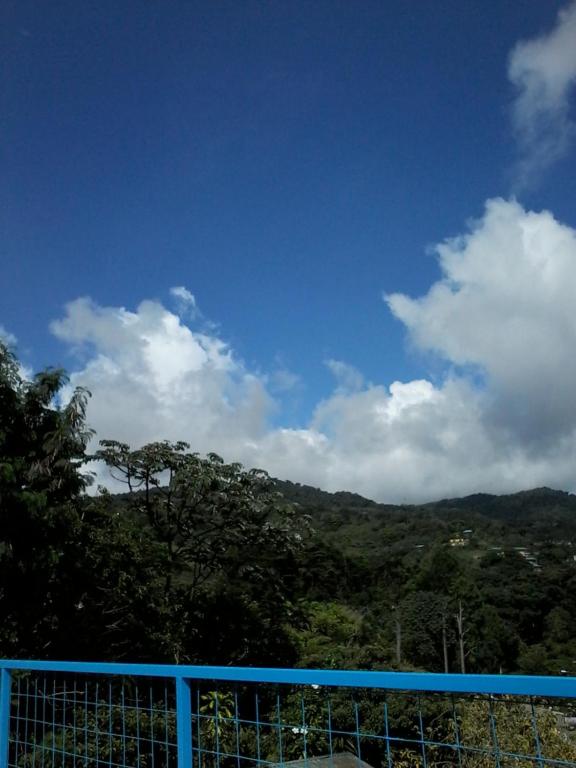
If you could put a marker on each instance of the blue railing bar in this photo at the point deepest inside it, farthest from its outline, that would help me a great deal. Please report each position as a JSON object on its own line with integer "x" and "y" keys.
{"x": 5, "y": 692}
{"x": 513, "y": 685}
{"x": 183, "y": 723}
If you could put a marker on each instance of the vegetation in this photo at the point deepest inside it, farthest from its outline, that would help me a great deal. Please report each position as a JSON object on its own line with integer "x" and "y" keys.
{"x": 205, "y": 562}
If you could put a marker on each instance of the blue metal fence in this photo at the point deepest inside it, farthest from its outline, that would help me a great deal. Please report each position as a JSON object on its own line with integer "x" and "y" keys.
{"x": 72, "y": 715}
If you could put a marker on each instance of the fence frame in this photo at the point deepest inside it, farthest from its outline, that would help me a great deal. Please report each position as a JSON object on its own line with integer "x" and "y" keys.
{"x": 182, "y": 675}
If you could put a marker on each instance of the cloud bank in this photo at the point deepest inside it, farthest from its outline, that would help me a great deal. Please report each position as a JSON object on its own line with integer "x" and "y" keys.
{"x": 152, "y": 377}
{"x": 503, "y": 418}
{"x": 543, "y": 71}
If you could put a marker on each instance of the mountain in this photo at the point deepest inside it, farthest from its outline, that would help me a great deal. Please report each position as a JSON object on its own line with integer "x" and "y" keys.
{"x": 524, "y": 505}
{"x": 360, "y": 526}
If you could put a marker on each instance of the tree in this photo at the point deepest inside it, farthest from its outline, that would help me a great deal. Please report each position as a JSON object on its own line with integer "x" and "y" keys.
{"x": 439, "y": 572}
{"x": 228, "y": 542}
{"x": 42, "y": 450}
{"x": 426, "y": 633}
{"x": 397, "y": 620}
{"x": 509, "y": 727}
{"x": 462, "y": 630}
{"x": 331, "y": 636}
{"x": 493, "y": 643}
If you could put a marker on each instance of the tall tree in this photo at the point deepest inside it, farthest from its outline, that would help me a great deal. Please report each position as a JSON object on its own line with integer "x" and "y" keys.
{"x": 229, "y": 542}
{"x": 42, "y": 450}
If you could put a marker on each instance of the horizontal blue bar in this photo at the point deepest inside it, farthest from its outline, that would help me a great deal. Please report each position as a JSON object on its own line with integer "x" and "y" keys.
{"x": 518, "y": 685}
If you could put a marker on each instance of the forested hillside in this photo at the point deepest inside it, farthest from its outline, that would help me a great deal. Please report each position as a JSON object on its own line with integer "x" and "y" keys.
{"x": 205, "y": 562}
{"x": 497, "y": 572}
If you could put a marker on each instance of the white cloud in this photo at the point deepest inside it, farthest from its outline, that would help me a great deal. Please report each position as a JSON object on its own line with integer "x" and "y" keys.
{"x": 11, "y": 342}
{"x": 185, "y": 300}
{"x": 409, "y": 442}
{"x": 152, "y": 378}
{"x": 543, "y": 71}
{"x": 8, "y": 338}
{"x": 349, "y": 378}
{"x": 506, "y": 305}
{"x": 181, "y": 292}
{"x": 502, "y": 308}
{"x": 283, "y": 380}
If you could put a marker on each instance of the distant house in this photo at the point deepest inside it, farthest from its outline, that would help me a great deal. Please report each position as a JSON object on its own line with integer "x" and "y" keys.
{"x": 530, "y": 558}
{"x": 457, "y": 541}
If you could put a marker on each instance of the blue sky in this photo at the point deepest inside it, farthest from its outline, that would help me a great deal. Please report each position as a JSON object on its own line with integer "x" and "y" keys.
{"x": 288, "y": 163}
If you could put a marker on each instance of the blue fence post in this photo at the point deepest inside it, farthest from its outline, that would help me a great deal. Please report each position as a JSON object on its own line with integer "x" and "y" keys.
{"x": 183, "y": 723}
{"x": 5, "y": 692}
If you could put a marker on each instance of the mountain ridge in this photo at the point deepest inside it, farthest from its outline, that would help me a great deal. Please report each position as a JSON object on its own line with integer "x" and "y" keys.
{"x": 543, "y": 496}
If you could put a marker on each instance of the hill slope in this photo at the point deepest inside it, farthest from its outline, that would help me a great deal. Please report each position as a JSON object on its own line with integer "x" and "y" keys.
{"x": 361, "y": 526}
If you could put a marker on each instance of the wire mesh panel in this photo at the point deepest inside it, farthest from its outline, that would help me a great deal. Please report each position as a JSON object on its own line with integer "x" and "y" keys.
{"x": 74, "y": 715}
{"x": 63, "y": 721}
{"x": 322, "y": 727}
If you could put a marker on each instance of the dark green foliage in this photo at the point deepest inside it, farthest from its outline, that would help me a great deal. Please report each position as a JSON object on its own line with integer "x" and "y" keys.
{"x": 41, "y": 451}
{"x": 513, "y": 574}
{"x": 228, "y": 542}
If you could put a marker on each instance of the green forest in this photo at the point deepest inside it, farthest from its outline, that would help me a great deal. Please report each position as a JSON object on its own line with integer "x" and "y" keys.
{"x": 202, "y": 561}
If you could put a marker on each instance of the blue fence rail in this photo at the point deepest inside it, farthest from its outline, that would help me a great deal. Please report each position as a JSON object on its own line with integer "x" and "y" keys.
{"x": 72, "y": 715}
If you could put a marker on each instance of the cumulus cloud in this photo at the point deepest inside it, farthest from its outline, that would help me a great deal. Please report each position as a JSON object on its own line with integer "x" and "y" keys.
{"x": 543, "y": 71}
{"x": 152, "y": 377}
{"x": 505, "y": 306}
{"x": 409, "y": 442}
{"x": 503, "y": 417}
